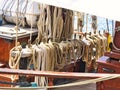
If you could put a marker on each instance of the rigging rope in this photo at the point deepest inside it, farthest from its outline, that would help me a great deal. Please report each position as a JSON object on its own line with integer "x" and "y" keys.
{"x": 31, "y": 25}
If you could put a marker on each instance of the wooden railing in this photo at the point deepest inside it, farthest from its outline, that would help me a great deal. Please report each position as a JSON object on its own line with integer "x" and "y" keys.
{"x": 92, "y": 77}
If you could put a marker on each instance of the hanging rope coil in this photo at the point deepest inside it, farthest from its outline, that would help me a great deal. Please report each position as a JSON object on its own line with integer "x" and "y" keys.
{"x": 56, "y": 27}
{"x": 14, "y": 59}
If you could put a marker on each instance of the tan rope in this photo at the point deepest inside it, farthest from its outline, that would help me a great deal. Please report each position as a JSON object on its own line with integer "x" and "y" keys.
{"x": 14, "y": 60}
{"x": 80, "y": 21}
{"x": 40, "y": 24}
{"x": 54, "y": 23}
{"x": 31, "y": 24}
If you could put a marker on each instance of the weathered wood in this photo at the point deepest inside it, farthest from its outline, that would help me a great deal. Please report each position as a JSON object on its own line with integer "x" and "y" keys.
{"x": 53, "y": 74}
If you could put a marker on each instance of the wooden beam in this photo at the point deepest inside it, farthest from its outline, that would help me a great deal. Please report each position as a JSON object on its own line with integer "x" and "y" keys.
{"x": 53, "y": 74}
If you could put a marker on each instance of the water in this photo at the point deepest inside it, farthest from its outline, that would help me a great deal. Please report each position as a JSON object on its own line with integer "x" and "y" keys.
{"x": 102, "y": 24}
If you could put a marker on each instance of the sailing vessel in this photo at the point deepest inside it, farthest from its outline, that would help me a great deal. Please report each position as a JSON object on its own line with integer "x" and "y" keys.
{"x": 54, "y": 49}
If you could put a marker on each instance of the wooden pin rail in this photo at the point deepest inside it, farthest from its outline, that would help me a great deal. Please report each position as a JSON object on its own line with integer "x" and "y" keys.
{"x": 54, "y": 74}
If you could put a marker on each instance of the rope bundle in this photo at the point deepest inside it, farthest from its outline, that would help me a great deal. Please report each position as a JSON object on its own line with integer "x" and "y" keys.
{"x": 55, "y": 23}
{"x": 95, "y": 46}
{"x": 54, "y": 56}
